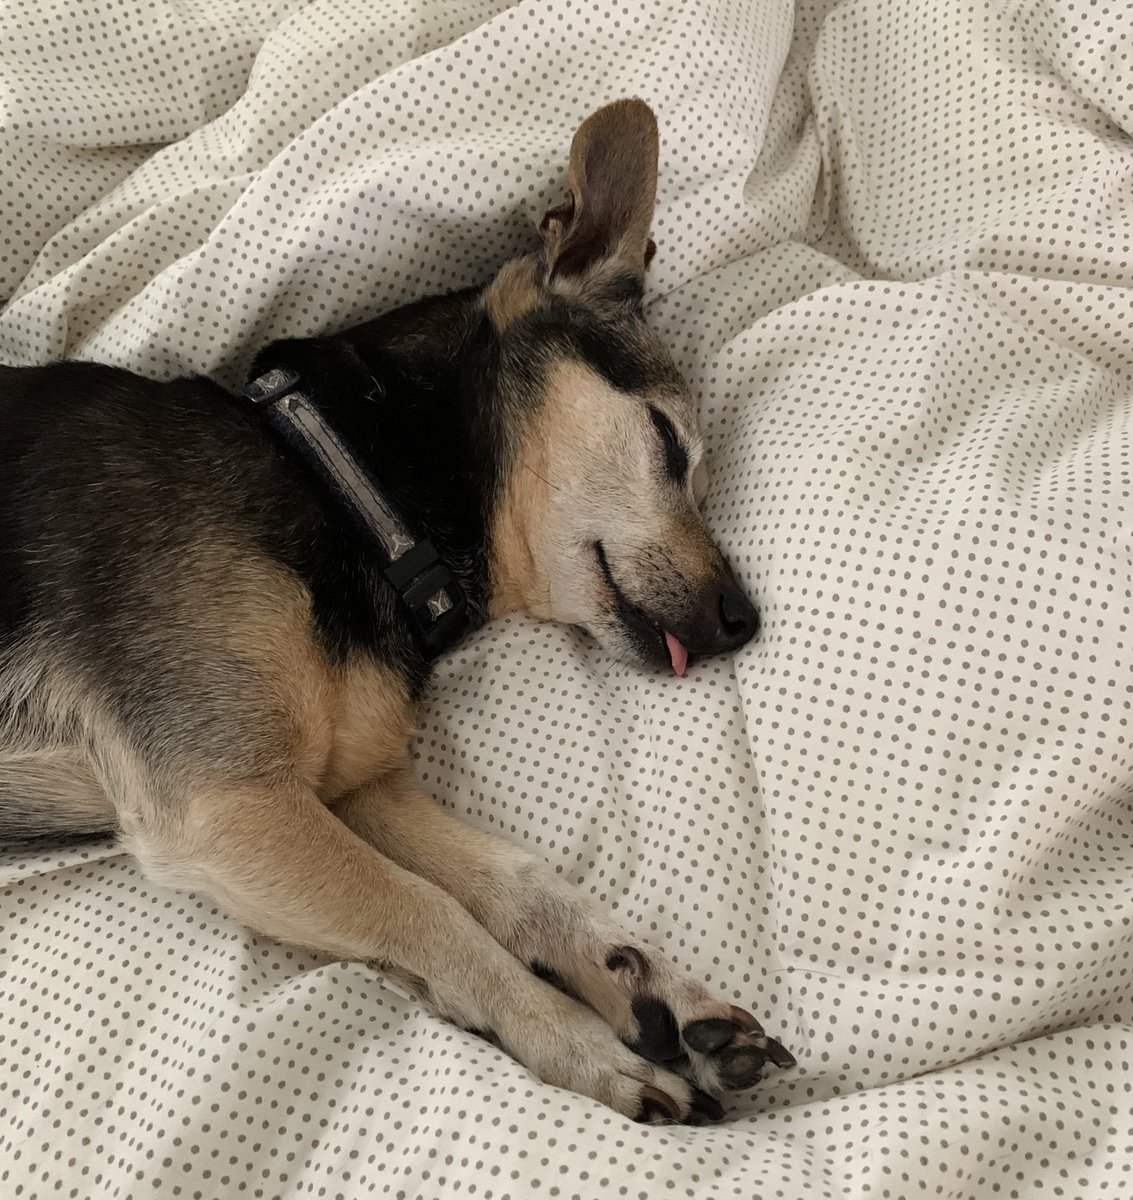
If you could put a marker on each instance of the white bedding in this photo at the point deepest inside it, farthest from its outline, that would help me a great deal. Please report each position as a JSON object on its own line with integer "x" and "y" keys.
{"x": 895, "y": 257}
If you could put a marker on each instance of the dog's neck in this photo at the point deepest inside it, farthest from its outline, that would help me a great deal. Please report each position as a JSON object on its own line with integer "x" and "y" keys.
{"x": 435, "y": 455}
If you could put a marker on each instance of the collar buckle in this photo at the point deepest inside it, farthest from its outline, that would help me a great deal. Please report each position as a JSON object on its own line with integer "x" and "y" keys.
{"x": 429, "y": 594}
{"x": 271, "y": 385}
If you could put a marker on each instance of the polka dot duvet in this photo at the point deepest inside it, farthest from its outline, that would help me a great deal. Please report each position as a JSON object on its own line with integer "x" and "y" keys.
{"x": 895, "y": 261}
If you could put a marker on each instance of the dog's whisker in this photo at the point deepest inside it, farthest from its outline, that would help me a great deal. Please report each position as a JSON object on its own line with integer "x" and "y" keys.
{"x": 528, "y": 467}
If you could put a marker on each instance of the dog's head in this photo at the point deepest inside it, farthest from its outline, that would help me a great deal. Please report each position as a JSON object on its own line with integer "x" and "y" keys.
{"x": 599, "y": 522}
{"x": 546, "y": 403}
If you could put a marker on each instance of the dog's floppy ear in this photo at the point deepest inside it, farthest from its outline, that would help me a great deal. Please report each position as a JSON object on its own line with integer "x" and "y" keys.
{"x": 613, "y": 186}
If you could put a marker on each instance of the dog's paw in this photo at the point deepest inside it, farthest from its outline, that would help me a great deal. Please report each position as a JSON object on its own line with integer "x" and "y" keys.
{"x": 722, "y": 1047}
{"x": 671, "y": 1020}
{"x": 570, "y": 1046}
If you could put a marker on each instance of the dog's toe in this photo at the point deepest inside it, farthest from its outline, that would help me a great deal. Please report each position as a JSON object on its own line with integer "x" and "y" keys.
{"x": 729, "y": 1053}
{"x": 708, "y": 1034}
{"x": 705, "y": 1109}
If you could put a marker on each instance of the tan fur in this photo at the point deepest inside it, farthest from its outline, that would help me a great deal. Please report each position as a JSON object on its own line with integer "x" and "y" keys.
{"x": 274, "y": 858}
{"x": 372, "y": 719}
{"x": 68, "y": 792}
{"x": 344, "y": 723}
{"x": 514, "y": 293}
{"x": 577, "y": 455}
{"x": 42, "y": 703}
{"x": 554, "y": 445}
{"x": 59, "y": 748}
{"x": 272, "y": 628}
{"x": 518, "y": 584}
{"x": 333, "y": 726}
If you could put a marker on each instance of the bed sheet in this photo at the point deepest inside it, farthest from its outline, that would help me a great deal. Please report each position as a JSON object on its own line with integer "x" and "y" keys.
{"x": 895, "y": 257}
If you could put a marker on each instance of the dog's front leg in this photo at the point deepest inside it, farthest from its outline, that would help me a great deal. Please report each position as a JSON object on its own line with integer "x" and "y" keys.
{"x": 279, "y": 861}
{"x": 656, "y": 1009}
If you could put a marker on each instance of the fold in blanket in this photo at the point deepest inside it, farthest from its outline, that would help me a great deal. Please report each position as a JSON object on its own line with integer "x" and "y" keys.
{"x": 894, "y": 260}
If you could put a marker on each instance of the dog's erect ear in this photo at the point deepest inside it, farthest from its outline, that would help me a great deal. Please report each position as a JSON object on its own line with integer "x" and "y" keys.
{"x": 613, "y": 185}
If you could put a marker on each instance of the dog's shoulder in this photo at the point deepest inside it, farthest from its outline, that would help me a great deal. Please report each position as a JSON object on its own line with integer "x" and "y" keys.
{"x": 174, "y": 573}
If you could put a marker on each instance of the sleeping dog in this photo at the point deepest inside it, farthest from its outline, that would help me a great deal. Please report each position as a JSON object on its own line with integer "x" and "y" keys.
{"x": 218, "y": 615}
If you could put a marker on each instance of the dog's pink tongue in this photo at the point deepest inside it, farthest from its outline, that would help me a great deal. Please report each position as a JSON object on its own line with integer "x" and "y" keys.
{"x": 678, "y": 655}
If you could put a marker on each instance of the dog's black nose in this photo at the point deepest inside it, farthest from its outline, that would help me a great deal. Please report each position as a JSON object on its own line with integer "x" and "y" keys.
{"x": 738, "y": 620}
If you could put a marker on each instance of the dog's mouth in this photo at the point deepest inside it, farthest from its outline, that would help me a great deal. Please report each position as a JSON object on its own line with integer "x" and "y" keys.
{"x": 652, "y": 641}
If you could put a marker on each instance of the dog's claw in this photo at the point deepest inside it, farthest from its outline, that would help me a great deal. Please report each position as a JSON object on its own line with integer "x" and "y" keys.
{"x": 745, "y": 1021}
{"x": 779, "y": 1054}
{"x": 656, "y": 1103}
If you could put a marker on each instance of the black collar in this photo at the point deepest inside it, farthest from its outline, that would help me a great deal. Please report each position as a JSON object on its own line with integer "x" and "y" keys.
{"x": 431, "y": 598}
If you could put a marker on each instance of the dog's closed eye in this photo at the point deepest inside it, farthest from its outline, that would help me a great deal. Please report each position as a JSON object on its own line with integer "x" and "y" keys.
{"x": 676, "y": 456}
